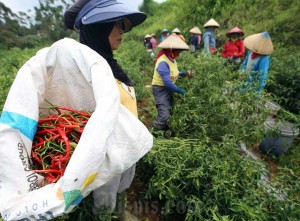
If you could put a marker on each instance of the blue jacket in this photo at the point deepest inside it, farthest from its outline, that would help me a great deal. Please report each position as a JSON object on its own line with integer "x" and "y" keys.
{"x": 209, "y": 40}
{"x": 260, "y": 71}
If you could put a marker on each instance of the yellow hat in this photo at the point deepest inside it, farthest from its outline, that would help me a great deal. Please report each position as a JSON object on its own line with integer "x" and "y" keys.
{"x": 173, "y": 42}
{"x": 176, "y": 30}
{"x": 260, "y": 43}
{"x": 195, "y": 30}
{"x": 211, "y": 23}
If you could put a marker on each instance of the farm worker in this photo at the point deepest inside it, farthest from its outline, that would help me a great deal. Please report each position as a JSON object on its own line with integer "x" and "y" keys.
{"x": 164, "y": 78}
{"x": 209, "y": 36}
{"x": 153, "y": 41}
{"x": 148, "y": 45}
{"x": 101, "y": 25}
{"x": 164, "y": 34}
{"x": 147, "y": 42}
{"x": 178, "y": 32}
{"x": 257, "y": 62}
{"x": 195, "y": 40}
{"x": 234, "y": 49}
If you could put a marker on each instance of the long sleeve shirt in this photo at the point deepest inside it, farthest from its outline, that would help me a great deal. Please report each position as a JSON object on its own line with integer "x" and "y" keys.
{"x": 209, "y": 40}
{"x": 258, "y": 66}
{"x": 231, "y": 48}
{"x": 164, "y": 71}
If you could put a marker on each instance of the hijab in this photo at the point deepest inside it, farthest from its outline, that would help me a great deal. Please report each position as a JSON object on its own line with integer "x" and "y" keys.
{"x": 96, "y": 36}
{"x": 167, "y": 52}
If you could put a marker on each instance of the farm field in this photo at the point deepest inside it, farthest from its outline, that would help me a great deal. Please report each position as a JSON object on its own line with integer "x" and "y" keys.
{"x": 208, "y": 166}
{"x": 201, "y": 171}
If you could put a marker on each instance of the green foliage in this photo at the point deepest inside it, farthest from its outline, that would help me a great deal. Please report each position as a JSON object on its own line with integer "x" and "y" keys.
{"x": 132, "y": 57}
{"x": 29, "y": 41}
{"x": 204, "y": 181}
{"x": 49, "y": 19}
{"x": 149, "y": 7}
{"x": 83, "y": 212}
{"x": 165, "y": 17}
{"x": 212, "y": 108}
{"x": 10, "y": 62}
{"x": 285, "y": 78}
{"x": 18, "y": 30}
{"x": 200, "y": 168}
{"x": 279, "y": 18}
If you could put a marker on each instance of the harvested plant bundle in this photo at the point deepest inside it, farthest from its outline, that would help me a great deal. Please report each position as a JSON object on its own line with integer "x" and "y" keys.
{"x": 55, "y": 141}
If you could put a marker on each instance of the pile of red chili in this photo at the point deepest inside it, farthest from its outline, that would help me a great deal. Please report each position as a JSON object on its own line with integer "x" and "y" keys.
{"x": 55, "y": 141}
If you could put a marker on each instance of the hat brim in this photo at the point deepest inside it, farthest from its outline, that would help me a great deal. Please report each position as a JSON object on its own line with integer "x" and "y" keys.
{"x": 236, "y": 32}
{"x": 110, "y": 13}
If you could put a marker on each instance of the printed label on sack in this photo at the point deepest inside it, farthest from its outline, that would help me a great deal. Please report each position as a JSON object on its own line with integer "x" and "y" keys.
{"x": 33, "y": 178}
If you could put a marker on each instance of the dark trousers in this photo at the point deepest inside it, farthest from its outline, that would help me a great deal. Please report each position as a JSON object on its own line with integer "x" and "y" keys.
{"x": 163, "y": 101}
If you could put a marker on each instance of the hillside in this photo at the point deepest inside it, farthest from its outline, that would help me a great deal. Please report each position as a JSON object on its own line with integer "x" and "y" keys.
{"x": 279, "y": 18}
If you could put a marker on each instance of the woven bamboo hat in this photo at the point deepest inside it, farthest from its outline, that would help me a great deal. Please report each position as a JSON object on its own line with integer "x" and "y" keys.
{"x": 235, "y": 30}
{"x": 195, "y": 30}
{"x": 176, "y": 30}
{"x": 147, "y": 36}
{"x": 260, "y": 43}
{"x": 173, "y": 42}
{"x": 211, "y": 23}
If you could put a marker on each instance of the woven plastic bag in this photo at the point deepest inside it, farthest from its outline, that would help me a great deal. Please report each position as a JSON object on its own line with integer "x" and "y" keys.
{"x": 68, "y": 74}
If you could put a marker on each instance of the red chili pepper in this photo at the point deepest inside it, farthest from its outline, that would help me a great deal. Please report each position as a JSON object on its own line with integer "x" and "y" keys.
{"x": 47, "y": 171}
{"x": 56, "y": 138}
{"x": 79, "y": 130}
{"x": 48, "y": 139}
{"x": 36, "y": 158}
{"x": 67, "y": 126}
{"x": 74, "y": 111}
{"x": 67, "y": 143}
{"x": 46, "y": 131}
{"x": 43, "y": 120}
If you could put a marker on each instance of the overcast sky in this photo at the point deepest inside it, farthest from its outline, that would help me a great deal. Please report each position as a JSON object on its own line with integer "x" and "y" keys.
{"x": 24, "y": 5}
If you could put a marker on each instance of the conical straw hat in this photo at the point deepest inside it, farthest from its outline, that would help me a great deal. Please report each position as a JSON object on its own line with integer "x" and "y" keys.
{"x": 148, "y": 36}
{"x": 173, "y": 42}
{"x": 176, "y": 30}
{"x": 235, "y": 30}
{"x": 260, "y": 43}
{"x": 211, "y": 23}
{"x": 195, "y": 30}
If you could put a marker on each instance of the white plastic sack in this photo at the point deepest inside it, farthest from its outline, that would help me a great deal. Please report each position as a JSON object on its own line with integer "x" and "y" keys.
{"x": 72, "y": 75}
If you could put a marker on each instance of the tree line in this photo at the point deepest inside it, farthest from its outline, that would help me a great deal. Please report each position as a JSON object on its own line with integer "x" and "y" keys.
{"x": 35, "y": 27}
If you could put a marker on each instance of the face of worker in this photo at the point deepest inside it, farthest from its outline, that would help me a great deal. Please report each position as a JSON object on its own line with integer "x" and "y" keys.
{"x": 115, "y": 36}
{"x": 234, "y": 36}
{"x": 176, "y": 53}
